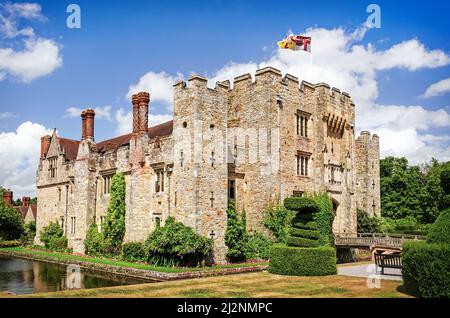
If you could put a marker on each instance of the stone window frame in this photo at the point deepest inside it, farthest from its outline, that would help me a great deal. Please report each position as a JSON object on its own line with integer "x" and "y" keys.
{"x": 53, "y": 166}
{"x": 73, "y": 225}
{"x": 303, "y": 160}
{"x": 302, "y": 119}
{"x": 107, "y": 181}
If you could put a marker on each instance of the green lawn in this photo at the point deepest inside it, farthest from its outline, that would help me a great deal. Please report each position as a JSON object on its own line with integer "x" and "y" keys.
{"x": 250, "y": 285}
{"x": 42, "y": 254}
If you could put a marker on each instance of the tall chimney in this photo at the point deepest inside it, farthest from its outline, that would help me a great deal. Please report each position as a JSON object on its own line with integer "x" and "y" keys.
{"x": 45, "y": 145}
{"x": 8, "y": 197}
{"x": 87, "y": 123}
{"x": 144, "y": 99}
{"x": 26, "y": 201}
{"x": 136, "y": 121}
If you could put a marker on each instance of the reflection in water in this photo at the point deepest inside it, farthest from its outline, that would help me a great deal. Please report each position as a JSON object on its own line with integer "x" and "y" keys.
{"x": 22, "y": 276}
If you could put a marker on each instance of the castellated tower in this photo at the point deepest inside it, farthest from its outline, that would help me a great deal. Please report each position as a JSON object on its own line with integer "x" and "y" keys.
{"x": 256, "y": 140}
{"x": 368, "y": 173}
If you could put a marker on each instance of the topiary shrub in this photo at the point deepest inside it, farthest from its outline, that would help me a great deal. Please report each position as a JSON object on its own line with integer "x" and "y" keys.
{"x": 305, "y": 254}
{"x": 133, "y": 252}
{"x": 175, "y": 244}
{"x": 426, "y": 269}
{"x": 53, "y": 237}
{"x": 439, "y": 232}
{"x": 94, "y": 244}
{"x": 287, "y": 260}
{"x": 324, "y": 218}
{"x": 257, "y": 246}
{"x": 303, "y": 205}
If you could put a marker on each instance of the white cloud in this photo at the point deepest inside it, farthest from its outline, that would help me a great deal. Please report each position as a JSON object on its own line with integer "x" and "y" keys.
{"x": 19, "y": 157}
{"x": 159, "y": 85}
{"x": 38, "y": 57}
{"x": 10, "y": 13}
{"x": 125, "y": 121}
{"x": 437, "y": 89}
{"x": 100, "y": 112}
{"x": 339, "y": 60}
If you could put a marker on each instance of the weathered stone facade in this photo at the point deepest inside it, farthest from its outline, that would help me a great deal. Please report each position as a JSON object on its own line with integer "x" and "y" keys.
{"x": 258, "y": 141}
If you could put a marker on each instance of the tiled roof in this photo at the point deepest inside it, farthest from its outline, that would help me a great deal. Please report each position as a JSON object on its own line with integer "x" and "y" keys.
{"x": 160, "y": 130}
{"x": 23, "y": 210}
{"x": 70, "y": 147}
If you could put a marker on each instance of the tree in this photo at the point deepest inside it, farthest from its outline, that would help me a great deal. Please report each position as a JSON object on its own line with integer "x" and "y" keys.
{"x": 403, "y": 190}
{"x": 114, "y": 229}
{"x": 11, "y": 225}
{"x": 235, "y": 236}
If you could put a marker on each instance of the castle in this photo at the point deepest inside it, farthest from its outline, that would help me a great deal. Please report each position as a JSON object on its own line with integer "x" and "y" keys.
{"x": 257, "y": 141}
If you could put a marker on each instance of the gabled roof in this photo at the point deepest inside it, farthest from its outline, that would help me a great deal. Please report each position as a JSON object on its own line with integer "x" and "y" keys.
{"x": 160, "y": 130}
{"x": 70, "y": 147}
{"x": 23, "y": 210}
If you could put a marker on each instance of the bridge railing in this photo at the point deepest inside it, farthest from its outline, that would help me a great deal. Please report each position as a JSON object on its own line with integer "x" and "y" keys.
{"x": 371, "y": 239}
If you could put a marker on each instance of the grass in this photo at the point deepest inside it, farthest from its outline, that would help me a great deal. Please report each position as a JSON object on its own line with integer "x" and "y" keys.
{"x": 250, "y": 285}
{"x": 56, "y": 256}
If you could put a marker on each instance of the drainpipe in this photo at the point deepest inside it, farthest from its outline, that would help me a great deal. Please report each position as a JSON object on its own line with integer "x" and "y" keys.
{"x": 95, "y": 200}
{"x": 67, "y": 207}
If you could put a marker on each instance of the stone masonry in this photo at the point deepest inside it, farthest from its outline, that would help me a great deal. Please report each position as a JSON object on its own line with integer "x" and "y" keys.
{"x": 257, "y": 141}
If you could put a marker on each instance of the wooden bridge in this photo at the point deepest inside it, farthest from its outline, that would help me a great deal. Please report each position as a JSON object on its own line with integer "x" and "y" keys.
{"x": 370, "y": 240}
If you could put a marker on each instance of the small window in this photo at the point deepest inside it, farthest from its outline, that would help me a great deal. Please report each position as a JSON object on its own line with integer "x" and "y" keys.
{"x": 184, "y": 124}
{"x": 211, "y": 198}
{"x": 302, "y": 165}
{"x": 231, "y": 189}
{"x": 59, "y": 195}
{"x": 157, "y": 222}
{"x": 211, "y": 126}
{"x": 107, "y": 184}
{"x": 73, "y": 225}
{"x": 159, "y": 184}
{"x": 175, "y": 198}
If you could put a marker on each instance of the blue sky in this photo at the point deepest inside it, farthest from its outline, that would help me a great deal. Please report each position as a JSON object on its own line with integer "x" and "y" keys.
{"x": 122, "y": 41}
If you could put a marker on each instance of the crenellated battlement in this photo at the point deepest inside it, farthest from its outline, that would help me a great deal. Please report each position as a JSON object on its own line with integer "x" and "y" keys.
{"x": 333, "y": 94}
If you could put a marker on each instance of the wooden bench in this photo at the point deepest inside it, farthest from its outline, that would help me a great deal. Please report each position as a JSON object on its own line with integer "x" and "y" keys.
{"x": 384, "y": 260}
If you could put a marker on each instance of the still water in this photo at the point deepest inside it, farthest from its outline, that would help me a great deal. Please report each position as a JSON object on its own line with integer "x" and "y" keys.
{"x": 22, "y": 276}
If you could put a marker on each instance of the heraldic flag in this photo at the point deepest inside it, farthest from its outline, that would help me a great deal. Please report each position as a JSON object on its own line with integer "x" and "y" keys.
{"x": 296, "y": 43}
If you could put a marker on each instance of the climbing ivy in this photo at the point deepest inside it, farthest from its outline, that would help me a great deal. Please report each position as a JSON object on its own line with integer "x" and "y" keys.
{"x": 114, "y": 228}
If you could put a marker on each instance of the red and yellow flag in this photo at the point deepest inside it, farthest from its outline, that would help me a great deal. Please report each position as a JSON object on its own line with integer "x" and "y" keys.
{"x": 296, "y": 43}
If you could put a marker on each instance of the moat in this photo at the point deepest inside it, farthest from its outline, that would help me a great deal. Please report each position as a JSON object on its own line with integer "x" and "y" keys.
{"x": 23, "y": 276}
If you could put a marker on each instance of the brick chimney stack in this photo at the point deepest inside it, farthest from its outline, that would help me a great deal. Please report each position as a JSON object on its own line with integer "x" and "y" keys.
{"x": 26, "y": 201}
{"x": 140, "y": 112}
{"x": 87, "y": 124}
{"x": 144, "y": 99}
{"x": 8, "y": 197}
{"x": 45, "y": 145}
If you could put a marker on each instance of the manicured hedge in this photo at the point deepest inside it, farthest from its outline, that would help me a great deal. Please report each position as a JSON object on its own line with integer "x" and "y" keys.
{"x": 301, "y": 204}
{"x": 311, "y": 234}
{"x": 426, "y": 269}
{"x": 309, "y": 225}
{"x": 301, "y": 242}
{"x": 318, "y": 261}
{"x": 440, "y": 231}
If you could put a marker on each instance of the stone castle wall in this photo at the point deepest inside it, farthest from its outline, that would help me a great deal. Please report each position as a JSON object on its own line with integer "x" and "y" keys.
{"x": 243, "y": 134}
